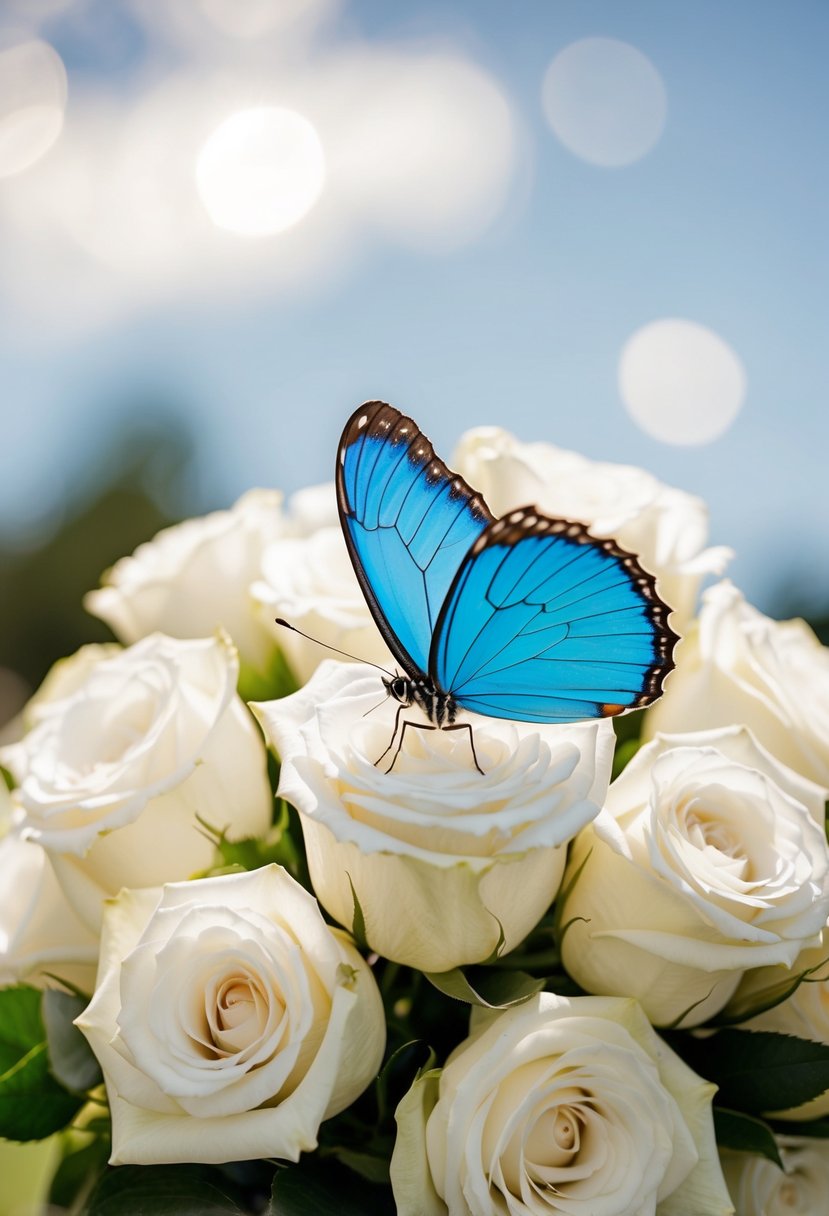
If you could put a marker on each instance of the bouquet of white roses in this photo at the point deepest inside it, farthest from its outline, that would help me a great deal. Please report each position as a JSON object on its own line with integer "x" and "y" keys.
{"x": 532, "y": 967}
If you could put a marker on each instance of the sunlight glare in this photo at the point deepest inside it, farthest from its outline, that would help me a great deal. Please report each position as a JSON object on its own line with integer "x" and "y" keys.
{"x": 32, "y": 101}
{"x": 260, "y": 18}
{"x": 428, "y": 148}
{"x": 260, "y": 171}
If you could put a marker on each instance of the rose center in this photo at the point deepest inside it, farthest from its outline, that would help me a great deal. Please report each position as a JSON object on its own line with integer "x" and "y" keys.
{"x": 787, "y": 1195}
{"x": 706, "y": 831}
{"x": 239, "y": 1016}
{"x": 555, "y": 1138}
{"x": 565, "y": 1130}
{"x": 236, "y": 1004}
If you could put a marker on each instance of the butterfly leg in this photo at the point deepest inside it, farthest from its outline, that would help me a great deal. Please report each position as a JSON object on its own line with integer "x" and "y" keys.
{"x": 400, "y": 709}
{"x": 427, "y": 726}
{"x": 406, "y": 722}
{"x": 467, "y": 726}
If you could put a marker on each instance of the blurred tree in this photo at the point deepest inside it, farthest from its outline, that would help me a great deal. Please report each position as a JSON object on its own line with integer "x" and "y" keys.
{"x": 128, "y": 487}
{"x": 800, "y": 595}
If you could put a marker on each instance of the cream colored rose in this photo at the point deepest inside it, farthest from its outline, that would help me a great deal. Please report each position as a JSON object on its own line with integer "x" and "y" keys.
{"x": 125, "y": 752}
{"x": 442, "y": 858}
{"x": 312, "y": 508}
{"x": 804, "y": 1014}
{"x": 194, "y": 578}
{"x": 308, "y": 579}
{"x": 738, "y": 666}
{"x": 759, "y": 1188}
{"x": 667, "y": 528}
{"x": 709, "y": 859}
{"x": 39, "y": 931}
{"x": 570, "y": 1106}
{"x": 229, "y": 1020}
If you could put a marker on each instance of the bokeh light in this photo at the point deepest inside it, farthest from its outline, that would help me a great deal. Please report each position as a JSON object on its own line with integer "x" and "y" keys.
{"x": 681, "y": 382}
{"x": 605, "y": 101}
{"x": 32, "y": 103}
{"x": 427, "y": 146}
{"x": 261, "y": 18}
{"x": 261, "y": 171}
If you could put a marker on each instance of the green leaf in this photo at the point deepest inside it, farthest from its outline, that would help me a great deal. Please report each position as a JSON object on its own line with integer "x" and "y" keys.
{"x": 757, "y": 1070}
{"x": 160, "y": 1190}
{"x": 398, "y": 1073}
{"x": 623, "y": 755}
{"x": 278, "y": 680}
{"x": 32, "y": 1103}
{"x": 21, "y": 1027}
{"x": 370, "y": 1166}
{"x": 358, "y": 920}
{"x": 818, "y": 1129}
{"x": 71, "y": 1059}
{"x": 627, "y": 728}
{"x": 742, "y": 1132}
{"x": 740, "y": 1009}
{"x": 252, "y": 852}
{"x": 323, "y": 1188}
{"x": 77, "y": 1175}
{"x": 488, "y": 988}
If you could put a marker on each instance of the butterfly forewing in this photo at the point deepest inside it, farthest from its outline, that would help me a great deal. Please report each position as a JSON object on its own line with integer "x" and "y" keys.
{"x": 547, "y": 623}
{"x": 408, "y": 522}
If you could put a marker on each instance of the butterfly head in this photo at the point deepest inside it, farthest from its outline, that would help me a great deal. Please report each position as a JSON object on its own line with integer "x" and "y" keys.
{"x": 400, "y": 689}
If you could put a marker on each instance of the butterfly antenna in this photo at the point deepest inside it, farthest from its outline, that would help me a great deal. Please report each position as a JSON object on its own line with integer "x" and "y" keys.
{"x": 377, "y": 706}
{"x": 279, "y": 621}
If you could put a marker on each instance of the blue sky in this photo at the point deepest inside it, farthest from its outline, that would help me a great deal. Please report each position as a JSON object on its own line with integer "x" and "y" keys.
{"x": 722, "y": 222}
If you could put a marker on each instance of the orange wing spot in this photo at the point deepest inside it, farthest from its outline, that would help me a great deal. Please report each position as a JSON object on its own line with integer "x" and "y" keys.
{"x": 609, "y": 711}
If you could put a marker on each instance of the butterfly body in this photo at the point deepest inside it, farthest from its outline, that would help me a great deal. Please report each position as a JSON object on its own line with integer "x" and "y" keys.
{"x": 439, "y": 707}
{"x": 526, "y": 617}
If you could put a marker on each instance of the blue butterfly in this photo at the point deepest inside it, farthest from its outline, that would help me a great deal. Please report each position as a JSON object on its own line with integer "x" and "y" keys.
{"x": 524, "y": 617}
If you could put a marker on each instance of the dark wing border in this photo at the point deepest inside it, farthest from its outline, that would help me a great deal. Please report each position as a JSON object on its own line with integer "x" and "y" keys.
{"x": 385, "y": 421}
{"x": 529, "y": 521}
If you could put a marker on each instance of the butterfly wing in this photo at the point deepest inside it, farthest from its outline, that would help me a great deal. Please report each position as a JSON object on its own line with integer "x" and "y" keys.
{"x": 408, "y": 523}
{"x": 546, "y": 623}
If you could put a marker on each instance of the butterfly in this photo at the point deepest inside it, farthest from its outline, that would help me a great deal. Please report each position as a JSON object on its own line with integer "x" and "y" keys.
{"x": 524, "y": 617}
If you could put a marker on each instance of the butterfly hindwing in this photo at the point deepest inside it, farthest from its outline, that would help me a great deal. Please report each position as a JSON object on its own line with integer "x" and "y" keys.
{"x": 408, "y": 523}
{"x": 546, "y": 623}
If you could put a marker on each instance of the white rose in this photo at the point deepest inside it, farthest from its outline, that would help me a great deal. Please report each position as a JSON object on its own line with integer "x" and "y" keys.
{"x": 559, "y": 1106}
{"x": 229, "y": 1020}
{"x": 310, "y": 582}
{"x": 442, "y": 858}
{"x": 131, "y": 749}
{"x": 39, "y": 932}
{"x": 667, "y": 528}
{"x": 759, "y": 1188}
{"x": 709, "y": 859}
{"x": 805, "y": 1013}
{"x": 312, "y": 508}
{"x": 194, "y": 578}
{"x": 738, "y": 666}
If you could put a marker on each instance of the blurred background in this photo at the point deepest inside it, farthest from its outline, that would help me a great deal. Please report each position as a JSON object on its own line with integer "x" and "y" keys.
{"x": 224, "y": 223}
